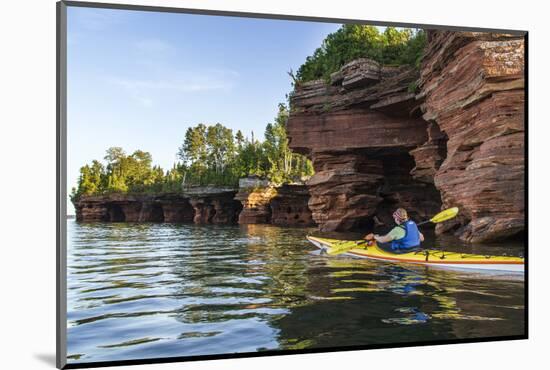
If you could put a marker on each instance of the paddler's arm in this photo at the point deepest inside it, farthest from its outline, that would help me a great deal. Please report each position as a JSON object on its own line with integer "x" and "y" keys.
{"x": 396, "y": 233}
{"x": 383, "y": 239}
{"x": 421, "y": 236}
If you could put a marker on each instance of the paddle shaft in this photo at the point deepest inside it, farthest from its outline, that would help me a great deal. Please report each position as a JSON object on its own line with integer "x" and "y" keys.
{"x": 440, "y": 217}
{"x": 418, "y": 224}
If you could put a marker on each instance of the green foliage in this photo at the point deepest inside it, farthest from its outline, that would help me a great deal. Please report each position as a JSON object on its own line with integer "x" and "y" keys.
{"x": 412, "y": 86}
{"x": 282, "y": 164}
{"x": 210, "y": 155}
{"x": 353, "y": 41}
{"x": 213, "y": 156}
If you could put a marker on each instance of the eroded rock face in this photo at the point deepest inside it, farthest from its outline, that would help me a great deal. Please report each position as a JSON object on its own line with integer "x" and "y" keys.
{"x": 255, "y": 195}
{"x": 451, "y": 134}
{"x": 289, "y": 207}
{"x": 91, "y": 209}
{"x": 200, "y": 205}
{"x": 256, "y": 204}
{"x": 213, "y": 205}
{"x": 429, "y": 156}
{"x": 473, "y": 89}
{"x": 267, "y": 203}
{"x": 344, "y": 189}
{"x": 357, "y": 135}
{"x": 175, "y": 208}
{"x": 134, "y": 208}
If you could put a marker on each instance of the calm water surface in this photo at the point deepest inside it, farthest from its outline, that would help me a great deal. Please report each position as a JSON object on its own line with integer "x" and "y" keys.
{"x": 140, "y": 291}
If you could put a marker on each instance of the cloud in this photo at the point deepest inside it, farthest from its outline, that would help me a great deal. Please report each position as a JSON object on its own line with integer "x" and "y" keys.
{"x": 144, "y": 90}
{"x": 179, "y": 86}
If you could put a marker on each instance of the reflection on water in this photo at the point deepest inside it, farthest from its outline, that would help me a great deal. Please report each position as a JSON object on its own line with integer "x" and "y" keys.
{"x": 157, "y": 290}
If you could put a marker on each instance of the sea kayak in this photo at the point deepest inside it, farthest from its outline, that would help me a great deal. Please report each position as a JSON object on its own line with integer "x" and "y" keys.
{"x": 435, "y": 258}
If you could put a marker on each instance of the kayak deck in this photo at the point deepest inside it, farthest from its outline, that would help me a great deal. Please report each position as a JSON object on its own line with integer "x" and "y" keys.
{"x": 435, "y": 258}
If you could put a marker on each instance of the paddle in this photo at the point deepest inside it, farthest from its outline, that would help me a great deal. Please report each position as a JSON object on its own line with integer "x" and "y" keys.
{"x": 440, "y": 217}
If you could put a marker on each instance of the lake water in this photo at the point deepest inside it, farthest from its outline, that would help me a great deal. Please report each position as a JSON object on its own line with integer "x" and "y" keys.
{"x": 139, "y": 291}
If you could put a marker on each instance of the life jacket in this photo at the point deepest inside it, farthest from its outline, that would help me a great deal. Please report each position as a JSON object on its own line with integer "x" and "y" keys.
{"x": 411, "y": 238}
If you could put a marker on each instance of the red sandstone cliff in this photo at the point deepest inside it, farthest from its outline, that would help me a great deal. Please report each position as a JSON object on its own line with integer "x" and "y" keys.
{"x": 199, "y": 205}
{"x": 472, "y": 85}
{"x": 289, "y": 207}
{"x": 255, "y": 195}
{"x": 266, "y": 203}
{"x": 213, "y": 205}
{"x": 284, "y": 206}
{"x": 168, "y": 207}
{"x": 381, "y": 137}
{"x": 358, "y": 131}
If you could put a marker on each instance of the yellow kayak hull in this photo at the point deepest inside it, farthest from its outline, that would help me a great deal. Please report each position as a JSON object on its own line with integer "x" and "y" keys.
{"x": 435, "y": 258}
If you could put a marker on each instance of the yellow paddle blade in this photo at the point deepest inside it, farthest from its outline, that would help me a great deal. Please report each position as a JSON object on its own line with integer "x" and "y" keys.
{"x": 444, "y": 215}
{"x": 344, "y": 246}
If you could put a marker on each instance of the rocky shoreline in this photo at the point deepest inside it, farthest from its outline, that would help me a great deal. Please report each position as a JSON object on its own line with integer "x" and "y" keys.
{"x": 449, "y": 133}
{"x": 255, "y": 202}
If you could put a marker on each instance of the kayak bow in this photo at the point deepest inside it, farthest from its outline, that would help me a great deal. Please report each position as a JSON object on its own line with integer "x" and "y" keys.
{"x": 435, "y": 258}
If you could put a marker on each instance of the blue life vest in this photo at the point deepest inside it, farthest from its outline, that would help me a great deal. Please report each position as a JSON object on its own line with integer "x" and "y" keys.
{"x": 411, "y": 238}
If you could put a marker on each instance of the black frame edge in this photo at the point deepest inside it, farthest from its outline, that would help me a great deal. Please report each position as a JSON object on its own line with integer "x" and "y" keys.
{"x": 161, "y": 360}
{"x": 61, "y": 191}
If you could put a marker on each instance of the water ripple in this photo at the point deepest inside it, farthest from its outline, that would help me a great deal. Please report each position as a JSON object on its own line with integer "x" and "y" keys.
{"x": 157, "y": 290}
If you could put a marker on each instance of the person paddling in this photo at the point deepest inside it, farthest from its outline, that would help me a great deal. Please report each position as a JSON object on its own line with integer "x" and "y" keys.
{"x": 401, "y": 239}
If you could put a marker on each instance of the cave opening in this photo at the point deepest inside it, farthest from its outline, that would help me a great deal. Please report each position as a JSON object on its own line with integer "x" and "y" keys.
{"x": 237, "y": 209}
{"x": 184, "y": 213}
{"x": 157, "y": 213}
{"x": 398, "y": 188}
{"x": 363, "y": 224}
{"x": 210, "y": 213}
{"x": 419, "y": 197}
{"x": 115, "y": 213}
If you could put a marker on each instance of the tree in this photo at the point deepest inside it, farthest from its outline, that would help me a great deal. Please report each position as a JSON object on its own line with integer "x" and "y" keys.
{"x": 210, "y": 155}
{"x": 220, "y": 147}
{"x": 239, "y": 138}
{"x": 137, "y": 172}
{"x": 251, "y": 160}
{"x": 193, "y": 149}
{"x": 115, "y": 157}
{"x": 116, "y": 183}
{"x": 284, "y": 165}
{"x": 352, "y": 41}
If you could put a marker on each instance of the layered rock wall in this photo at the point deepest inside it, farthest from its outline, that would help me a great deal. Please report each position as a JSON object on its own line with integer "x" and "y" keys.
{"x": 284, "y": 206}
{"x": 213, "y": 205}
{"x": 472, "y": 87}
{"x": 134, "y": 208}
{"x": 449, "y": 134}
{"x": 255, "y": 196}
{"x": 289, "y": 207}
{"x": 267, "y": 203}
{"x": 358, "y": 135}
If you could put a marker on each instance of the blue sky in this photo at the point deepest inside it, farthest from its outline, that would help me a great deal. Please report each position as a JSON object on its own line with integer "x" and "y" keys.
{"x": 139, "y": 79}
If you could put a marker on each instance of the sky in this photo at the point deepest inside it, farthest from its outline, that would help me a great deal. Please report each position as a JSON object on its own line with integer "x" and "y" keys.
{"x": 139, "y": 79}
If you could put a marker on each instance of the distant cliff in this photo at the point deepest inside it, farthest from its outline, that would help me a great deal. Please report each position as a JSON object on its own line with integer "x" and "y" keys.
{"x": 255, "y": 202}
{"x": 450, "y": 133}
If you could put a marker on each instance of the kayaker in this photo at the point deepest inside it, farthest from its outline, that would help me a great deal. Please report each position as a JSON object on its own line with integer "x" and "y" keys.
{"x": 402, "y": 238}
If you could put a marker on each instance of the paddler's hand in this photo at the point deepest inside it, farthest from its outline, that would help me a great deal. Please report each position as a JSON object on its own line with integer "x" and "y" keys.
{"x": 369, "y": 236}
